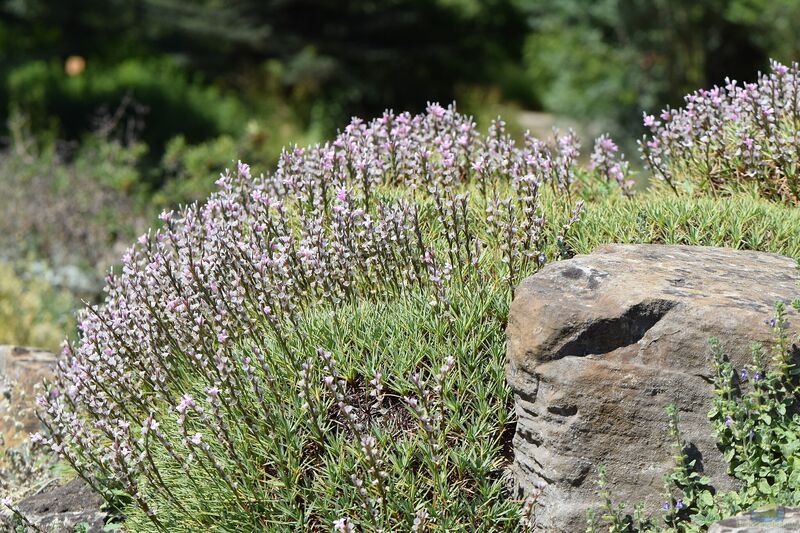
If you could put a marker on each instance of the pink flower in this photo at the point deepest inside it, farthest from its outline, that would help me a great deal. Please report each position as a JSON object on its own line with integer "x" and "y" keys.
{"x": 244, "y": 170}
{"x": 608, "y": 145}
{"x": 186, "y": 402}
{"x": 436, "y": 110}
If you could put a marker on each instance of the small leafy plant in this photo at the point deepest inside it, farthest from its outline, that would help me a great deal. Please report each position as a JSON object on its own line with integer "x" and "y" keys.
{"x": 756, "y": 415}
{"x": 689, "y": 495}
{"x": 613, "y": 517}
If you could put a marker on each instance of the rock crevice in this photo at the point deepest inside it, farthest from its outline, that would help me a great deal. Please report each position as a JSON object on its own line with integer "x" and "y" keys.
{"x": 609, "y": 334}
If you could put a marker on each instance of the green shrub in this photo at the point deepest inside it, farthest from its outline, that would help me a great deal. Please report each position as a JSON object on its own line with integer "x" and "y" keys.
{"x": 32, "y": 313}
{"x": 190, "y": 170}
{"x": 170, "y": 101}
{"x": 69, "y": 209}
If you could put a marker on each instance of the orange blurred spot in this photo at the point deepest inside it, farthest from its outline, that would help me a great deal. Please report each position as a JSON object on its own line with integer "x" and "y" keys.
{"x": 74, "y": 65}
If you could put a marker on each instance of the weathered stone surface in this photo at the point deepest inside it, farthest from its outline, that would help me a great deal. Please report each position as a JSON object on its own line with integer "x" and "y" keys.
{"x": 21, "y": 373}
{"x": 744, "y": 524}
{"x": 61, "y": 508}
{"x": 600, "y": 344}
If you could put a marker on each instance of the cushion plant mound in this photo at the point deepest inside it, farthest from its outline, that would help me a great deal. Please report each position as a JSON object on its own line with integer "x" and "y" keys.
{"x": 740, "y": 137}
{"x": 323, "y": 345}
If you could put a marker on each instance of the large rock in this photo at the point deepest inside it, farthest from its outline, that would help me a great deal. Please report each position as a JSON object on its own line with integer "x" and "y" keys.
{"x": 600, "y": 344}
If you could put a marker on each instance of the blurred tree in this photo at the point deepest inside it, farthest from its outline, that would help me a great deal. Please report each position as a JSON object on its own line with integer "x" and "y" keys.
{"x": 337, "y": 58}
{"x": 42, "y": 29}
{"x": 359, "y": 55}
{"x": 772, "y": 23}
{"x": 610, "y": 59}
{"x": 328, "y": 60}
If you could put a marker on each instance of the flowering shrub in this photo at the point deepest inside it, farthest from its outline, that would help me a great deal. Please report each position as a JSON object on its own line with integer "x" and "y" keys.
{"x": 736, "y": 137}
{"x": 322, "y": 347}
{"x": 611, "y": 165}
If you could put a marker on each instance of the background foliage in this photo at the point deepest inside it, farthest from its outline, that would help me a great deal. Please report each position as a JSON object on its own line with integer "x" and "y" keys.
{"x": 198, "y": 66}
{"x": 114, "y": 110}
